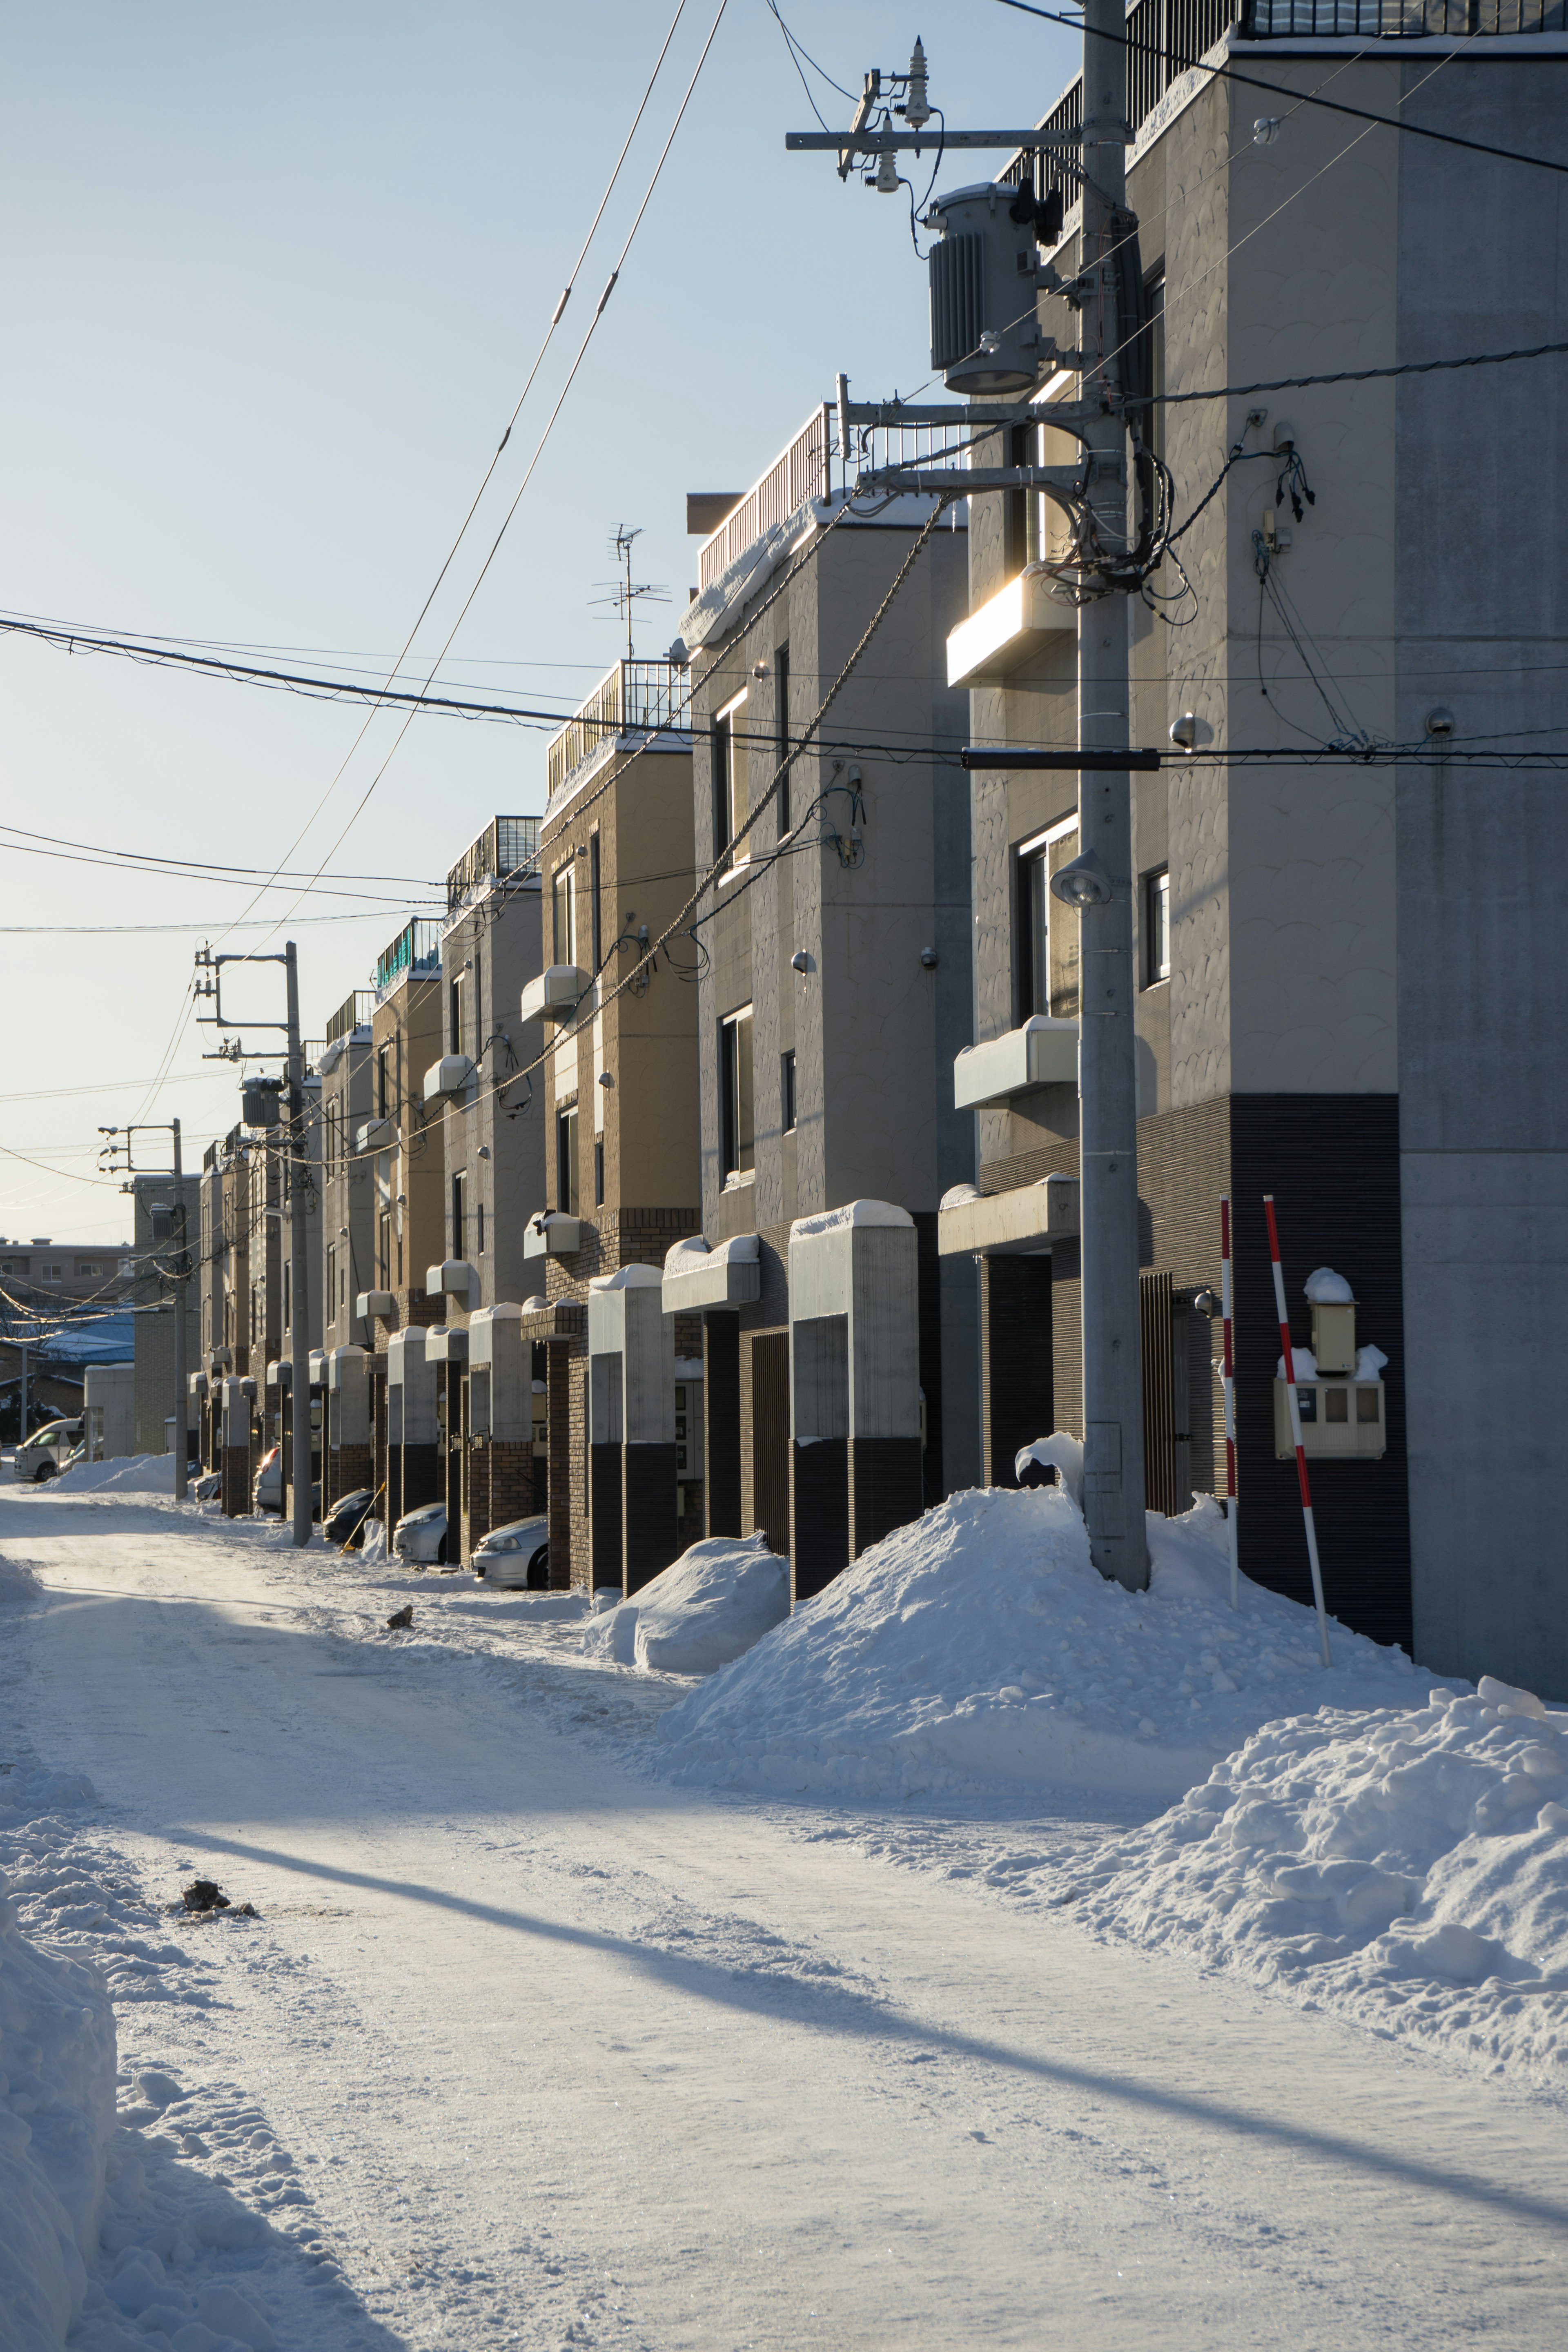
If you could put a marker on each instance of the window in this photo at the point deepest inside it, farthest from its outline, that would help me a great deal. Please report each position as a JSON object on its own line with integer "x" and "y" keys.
{"x": 596, "y": 902}
{"x": 287, "y": 1296}
{"x": 1046, "y": 932}
{"x": 739, "y": 1137}
{"x": 459, "y": 1214}
{"x": 331, "y": 1280}
{"x": 732, "y": 803}
{"x": 383, "y": 1082}
{"x": 383, "y": 1250}
{"x": 1025, "y": 508}
{"x": 562, "y": 917}
{"x": 1154, "y": 431}
{"x": 567, "y": 1161}
{"x": 786, "y": 1090}
{"x": 781, "y": 733}
{"x": 481, "y": 1032}
{"x": 1156, "y": 927}
{"x": 86, "y": 1266}
{"x": 599, "y": 1172}
{"x": 479, "y": 1228}
{"x": 455, "y": 1018}
{"x": 54, "y": 1274}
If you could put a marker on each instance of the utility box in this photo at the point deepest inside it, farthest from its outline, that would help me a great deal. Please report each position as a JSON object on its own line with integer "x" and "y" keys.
{"x": 1342, "y": 1421}
{"x": 109, "y": 1411}
{"x": 1333, "y": 1336}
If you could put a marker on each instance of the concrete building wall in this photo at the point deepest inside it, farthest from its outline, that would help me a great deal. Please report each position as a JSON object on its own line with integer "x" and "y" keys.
{"x": 494, "y": 1133}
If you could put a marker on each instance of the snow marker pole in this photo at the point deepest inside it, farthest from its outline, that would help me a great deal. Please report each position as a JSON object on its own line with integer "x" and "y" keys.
{"x": 1230, "y": 1504}
{"x": 1296, "y": 1425}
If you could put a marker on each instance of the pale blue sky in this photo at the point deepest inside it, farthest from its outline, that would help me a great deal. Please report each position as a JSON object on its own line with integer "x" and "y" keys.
{"x": 273, "y": 283}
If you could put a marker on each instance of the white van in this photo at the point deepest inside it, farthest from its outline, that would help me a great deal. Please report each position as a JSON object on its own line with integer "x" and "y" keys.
{"x": 46, "y": 1452}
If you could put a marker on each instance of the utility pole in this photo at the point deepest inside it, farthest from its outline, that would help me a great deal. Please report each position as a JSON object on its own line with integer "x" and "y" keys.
{"x": 986, "y": 346}
{"x": 1107, "y": 1094}
{"x": 296, "y": 1163}
{"x": 298, "y": 1280}
{"x": 182, "y": 1276}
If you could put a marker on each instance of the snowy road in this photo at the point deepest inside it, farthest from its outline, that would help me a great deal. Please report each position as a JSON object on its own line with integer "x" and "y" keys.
{"x": 564, "y": 2058}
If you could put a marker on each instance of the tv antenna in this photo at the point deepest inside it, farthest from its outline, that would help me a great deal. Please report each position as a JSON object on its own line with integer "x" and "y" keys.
{"x": 627, "y": 594}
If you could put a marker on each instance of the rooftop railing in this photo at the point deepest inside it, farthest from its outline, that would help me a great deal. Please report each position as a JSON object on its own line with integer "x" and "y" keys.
{"x": 1164, "y": 38}
{"x": 417, "y": 950}
{"x": 350, "y": 1014}
{"x": 636, "y": 698}
{"x": 507, "y": 849}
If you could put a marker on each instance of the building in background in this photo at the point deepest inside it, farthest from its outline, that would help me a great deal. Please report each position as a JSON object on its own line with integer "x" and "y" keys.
{"x": 490, "y": 1113}
{"x": 619, "y": 1100}
{"x": 833, "y": 988}
{"x": 167, "y": 1227}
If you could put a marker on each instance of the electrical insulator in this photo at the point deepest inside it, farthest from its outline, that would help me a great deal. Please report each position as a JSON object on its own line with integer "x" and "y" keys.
{"x": 916, "y": 112}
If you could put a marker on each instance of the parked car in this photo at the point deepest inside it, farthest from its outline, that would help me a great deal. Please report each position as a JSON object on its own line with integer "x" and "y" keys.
{"x": 46, "y": 1452}
{"x": 267, "y": 1493}
{"x": 420, "y": 1536}
{"x": 208, "y": 1487}
{"x": 344, "y": 1523}
{"x": 516, "y": 1557}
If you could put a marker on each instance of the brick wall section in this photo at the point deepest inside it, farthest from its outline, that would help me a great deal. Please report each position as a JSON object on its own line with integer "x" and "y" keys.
{"x": 509, "y": 1479}
{"x": 236, "y": 1471}
{"x": 351, "y": 1470}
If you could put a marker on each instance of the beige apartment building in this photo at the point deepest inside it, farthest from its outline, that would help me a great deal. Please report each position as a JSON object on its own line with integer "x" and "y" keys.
{"x": 622, "y": 1384}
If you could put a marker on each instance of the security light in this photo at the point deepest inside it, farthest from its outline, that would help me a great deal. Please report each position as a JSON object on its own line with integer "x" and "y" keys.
{"x": 1082, "y": 883}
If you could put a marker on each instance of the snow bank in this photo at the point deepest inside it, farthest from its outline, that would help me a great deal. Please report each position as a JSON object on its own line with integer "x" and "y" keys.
{"x": 979, "y": 1646}
{"x": 704, "y": 1610}
{"x": 1379, "y": 1860}
{"x": 130, "y": 1473}
{"x": 57, "y": 2109}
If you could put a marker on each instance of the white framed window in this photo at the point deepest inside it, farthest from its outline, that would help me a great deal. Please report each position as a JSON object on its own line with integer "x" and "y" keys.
{"x": 564, "y": 914}
{"x": 1044, "y": 932}
{"x": 736, "y": 1097}
{"x": 1156, "y": 927}
{"x": 731, "y": 782}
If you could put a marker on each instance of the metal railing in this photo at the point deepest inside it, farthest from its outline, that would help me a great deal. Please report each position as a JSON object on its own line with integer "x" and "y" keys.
{"x": 802, "y": 472}
{"x": 350, "y": 1014}
{"x": 416, "y": 948}
{"x": 636, "y": 698}
{"x": 507, "y": 847}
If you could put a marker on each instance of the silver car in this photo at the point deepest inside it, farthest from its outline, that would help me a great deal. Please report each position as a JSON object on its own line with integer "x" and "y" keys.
{"x": 516, "y": 1557}
{"x": 420, "y": 1536}
{"x": 46, "y": 1452}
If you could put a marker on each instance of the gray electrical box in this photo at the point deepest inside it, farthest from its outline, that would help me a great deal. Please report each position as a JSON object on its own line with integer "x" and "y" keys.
{"x": 983, "y": 337}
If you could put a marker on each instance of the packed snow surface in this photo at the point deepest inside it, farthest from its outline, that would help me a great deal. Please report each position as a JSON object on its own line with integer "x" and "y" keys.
{"x": 703, "y": 1611}
{"x": 57, "y": 2103}
{"x": 980, "y": 1646}
{"x": 1378, "y": 1859}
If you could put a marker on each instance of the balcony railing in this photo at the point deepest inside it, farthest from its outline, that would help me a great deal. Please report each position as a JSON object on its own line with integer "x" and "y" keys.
{"x": 805, "y": 471}
{"x": 351, "y": 1013}
{"x": 415, "y": 949}
{"x": 507, "y": 849}
{"x": 636, "y": 698}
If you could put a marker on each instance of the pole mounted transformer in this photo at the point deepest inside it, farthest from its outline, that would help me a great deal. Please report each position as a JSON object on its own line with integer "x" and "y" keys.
{"x": 986, "y": 273}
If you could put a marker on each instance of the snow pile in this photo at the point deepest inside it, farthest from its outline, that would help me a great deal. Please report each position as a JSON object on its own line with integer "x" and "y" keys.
{"x": 704, "y": 1610}
{"x": 127, "y": 1473}
{"x": 1378, "y": 1860}
{"x": 374, "y": 1545}
{"x": 56, "y": 2113}
{"x": 979, "y": 1645}
{"x": 1324, "y": 1287}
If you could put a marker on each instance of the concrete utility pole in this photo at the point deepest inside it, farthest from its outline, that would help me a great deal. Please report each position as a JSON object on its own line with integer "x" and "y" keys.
{"x": 1108, "y": 1105}
{"x": 299, "y": 1279}
{"x": 182, "y": 1276}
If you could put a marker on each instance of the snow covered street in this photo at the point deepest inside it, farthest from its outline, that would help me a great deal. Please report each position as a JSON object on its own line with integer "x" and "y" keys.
{"x": 530, "y": 2048}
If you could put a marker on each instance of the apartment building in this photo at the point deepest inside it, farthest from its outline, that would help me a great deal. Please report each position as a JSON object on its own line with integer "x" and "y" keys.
{"x": 833, "y": 990}
{"x": 402, "y": 1144}
{"x": 348, "y": 1256}
{"x": 48, "y": 1276}
{"x": 167, "y": 1228}
{"x": 491, "y": 1118}
{"x": 1351, "y": 995}
{"x": 623, "y": 1485}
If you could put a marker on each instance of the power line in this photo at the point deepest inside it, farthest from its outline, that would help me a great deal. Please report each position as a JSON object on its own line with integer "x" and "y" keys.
{"x": 1354, "y": 375}
{"x": 1283, "y": 89}
{"x": 206, "y": 866}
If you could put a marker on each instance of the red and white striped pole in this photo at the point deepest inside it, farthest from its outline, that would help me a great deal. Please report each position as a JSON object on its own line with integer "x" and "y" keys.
{"x": 1230, "y": 1503}
{"x": 1296, "y": 1425}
